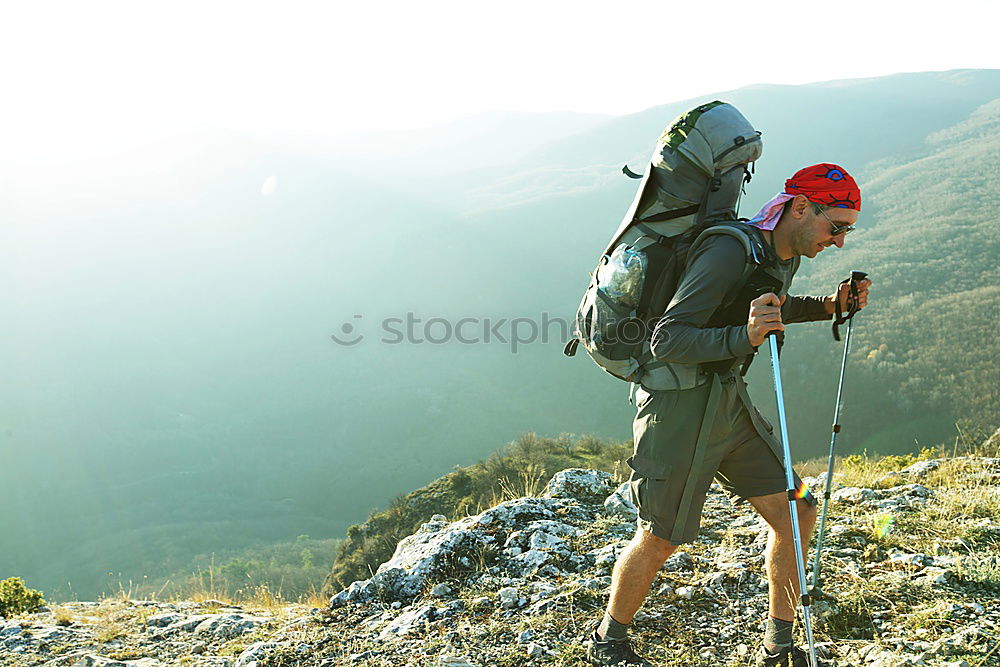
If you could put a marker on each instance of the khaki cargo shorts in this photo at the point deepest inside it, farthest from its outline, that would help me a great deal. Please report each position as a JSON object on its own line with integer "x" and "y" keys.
{"x": 735, "y": 453}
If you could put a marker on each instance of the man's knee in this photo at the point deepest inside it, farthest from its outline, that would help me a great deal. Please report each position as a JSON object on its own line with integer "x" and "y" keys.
{"x": 807, "y": 520}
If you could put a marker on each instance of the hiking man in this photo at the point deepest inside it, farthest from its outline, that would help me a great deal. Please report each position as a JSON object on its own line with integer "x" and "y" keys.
{"x": 685, "y": 438}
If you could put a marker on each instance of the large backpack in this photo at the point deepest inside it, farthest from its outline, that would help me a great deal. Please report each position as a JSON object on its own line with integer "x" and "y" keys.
{"x": 690, "y": 189}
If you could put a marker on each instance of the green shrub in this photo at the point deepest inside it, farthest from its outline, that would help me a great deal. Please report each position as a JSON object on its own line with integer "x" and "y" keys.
{"x": 16, "y": 598}
{"x": 891, "y": 462}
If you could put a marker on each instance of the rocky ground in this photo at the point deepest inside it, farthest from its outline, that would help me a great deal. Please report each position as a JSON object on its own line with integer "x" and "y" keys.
{"x": 912, "y": 577}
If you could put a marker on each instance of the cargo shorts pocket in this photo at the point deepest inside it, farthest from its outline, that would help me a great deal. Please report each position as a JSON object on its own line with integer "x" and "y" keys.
{"x": 649, "y": 485}
{"x": 765, "y": 421}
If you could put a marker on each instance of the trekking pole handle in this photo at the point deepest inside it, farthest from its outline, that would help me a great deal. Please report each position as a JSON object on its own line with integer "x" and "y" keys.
{"x": 856, "y": 277}
{"x": 852, "y": 306}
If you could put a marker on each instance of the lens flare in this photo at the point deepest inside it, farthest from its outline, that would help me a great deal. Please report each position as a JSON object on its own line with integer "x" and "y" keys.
{"x": 883, "y": 524}
{"x": 801, "y": 492}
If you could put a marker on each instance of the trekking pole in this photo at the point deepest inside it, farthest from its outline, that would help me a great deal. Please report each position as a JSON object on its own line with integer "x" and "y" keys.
{"x": 856, "y": 277}
{"x": 793, "y": 510}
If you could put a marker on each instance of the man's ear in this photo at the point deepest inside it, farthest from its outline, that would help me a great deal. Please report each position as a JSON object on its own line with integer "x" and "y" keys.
{"x": 799, "y": 205}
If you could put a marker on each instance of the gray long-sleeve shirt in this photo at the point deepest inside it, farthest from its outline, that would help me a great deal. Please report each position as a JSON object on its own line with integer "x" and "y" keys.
{"x": 682, "y": 334}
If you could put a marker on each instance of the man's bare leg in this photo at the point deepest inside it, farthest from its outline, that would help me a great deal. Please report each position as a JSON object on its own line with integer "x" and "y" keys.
{"x": 779, "y": 557}
{"x": 634, "y": 573}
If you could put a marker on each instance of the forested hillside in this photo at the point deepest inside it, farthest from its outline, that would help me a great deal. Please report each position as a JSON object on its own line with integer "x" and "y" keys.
{"x": 928, "y": 346}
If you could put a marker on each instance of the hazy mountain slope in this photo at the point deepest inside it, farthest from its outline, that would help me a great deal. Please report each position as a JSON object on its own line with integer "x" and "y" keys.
{"x": 172, "y": 380}
{"x": 423, "y": 160}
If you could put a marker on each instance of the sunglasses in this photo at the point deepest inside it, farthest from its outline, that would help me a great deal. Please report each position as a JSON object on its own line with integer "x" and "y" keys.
{"x": 836, "y": 229}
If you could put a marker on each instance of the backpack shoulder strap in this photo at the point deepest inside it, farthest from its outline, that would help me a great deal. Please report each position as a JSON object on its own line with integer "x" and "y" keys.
{"x": 753, "y": 244}
{"x": 748, "y": 235}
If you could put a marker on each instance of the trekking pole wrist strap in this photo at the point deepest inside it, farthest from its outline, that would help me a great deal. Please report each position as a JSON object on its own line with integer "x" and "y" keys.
{"x": 853, "y": 304}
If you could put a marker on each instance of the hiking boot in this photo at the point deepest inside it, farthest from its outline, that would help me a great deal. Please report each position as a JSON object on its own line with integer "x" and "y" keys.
{"x": 791, "y": 656}
{"x": 613, "y": 652}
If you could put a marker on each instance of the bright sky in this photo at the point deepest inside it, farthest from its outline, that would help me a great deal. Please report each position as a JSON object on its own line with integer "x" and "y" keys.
{"x": 79, "y": 77}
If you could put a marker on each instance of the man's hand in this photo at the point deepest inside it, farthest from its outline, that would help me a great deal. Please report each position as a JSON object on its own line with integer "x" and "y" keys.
{"x": 765, "y": 316}
{"x": 844, "y": 294}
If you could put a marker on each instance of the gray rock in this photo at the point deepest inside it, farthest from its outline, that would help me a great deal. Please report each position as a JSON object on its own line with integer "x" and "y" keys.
{"x": 163, "y": 620}
{"x": 387, "y": 584}
{"x": 686, "y": 592}
{"x": 224, "y": 626}
{"x": 410, "y": 621}
{"x": 454, "y": 661}
{"x": 712, "y": 580}
{"x": 541, "y": 591}
{"x": 535, "y": 651}
{"x": 546, "y": 541}
{"x": 922, "y": 468}
{"x": 433, "y": 525}
{"x": 679, "y": 562}
{"x": 11, "y": 630}
{"x": 430, "y": 552}
{"x": 441, "y": 591}
{"x": 528, "y": 563}
{"x": 256, "y": 651}
{"x": 589, "y": 486}
{"x": 91, "y": 660}
{"x": 525, "y": 636}
{"x": 620, "y": 503}
{"x": 606, "y": 555}
{"x": 852, "y": 495}
{"x": 510, "y": 598}
{"x": 52, "y": 633}
{"x": 911, "y": 490}
{"x": 909, "y": 560}
{"x": 592, "y": 584}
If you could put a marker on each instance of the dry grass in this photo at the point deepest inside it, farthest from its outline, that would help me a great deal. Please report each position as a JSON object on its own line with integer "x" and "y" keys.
{"x": 529, "y": 482}
{"x": 62, "y": 615}
{"x": 315, "y": 599}
{"x": 965, "y": 493}
{"x": 110, "y": 631}
{"x": 263, "y": 599}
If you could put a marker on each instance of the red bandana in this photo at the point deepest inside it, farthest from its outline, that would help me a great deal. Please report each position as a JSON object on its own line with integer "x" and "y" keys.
{"x": 826, "y": 184}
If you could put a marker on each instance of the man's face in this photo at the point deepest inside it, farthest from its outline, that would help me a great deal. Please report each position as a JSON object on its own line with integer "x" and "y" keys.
{"x": 815, "y": 232}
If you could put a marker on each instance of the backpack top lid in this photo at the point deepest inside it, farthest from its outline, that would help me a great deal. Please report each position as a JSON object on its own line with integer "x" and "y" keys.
{"x": 710, "y": 142}
{"x": 713, "y": 136}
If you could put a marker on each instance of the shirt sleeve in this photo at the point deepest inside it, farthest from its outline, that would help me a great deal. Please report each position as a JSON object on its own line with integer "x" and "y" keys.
{"x": 804, "y": 309}
{"x": 679, "y": 336}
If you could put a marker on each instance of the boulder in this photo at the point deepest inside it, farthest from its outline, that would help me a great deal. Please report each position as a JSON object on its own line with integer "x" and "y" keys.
{"x": 435, "y": 549}
{"x": 852, "y": 495}
{"x": 620, "y": 503}
{"x": 587, "y": 486}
